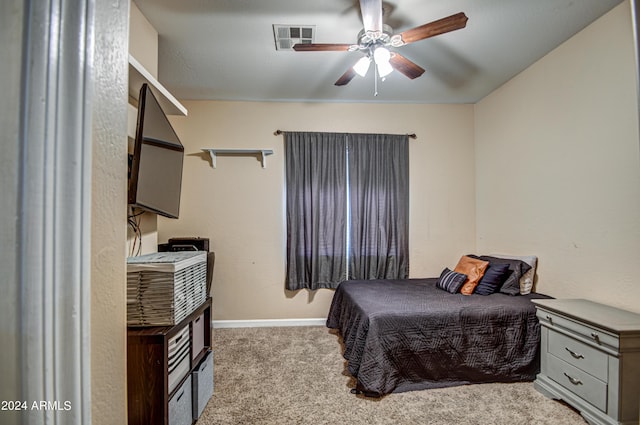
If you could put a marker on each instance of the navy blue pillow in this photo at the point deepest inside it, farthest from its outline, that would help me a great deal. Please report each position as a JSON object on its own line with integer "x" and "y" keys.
{"x": 451, "y": 281}
{"x": 517, "y": 268}
{"x": 493, "y": 278}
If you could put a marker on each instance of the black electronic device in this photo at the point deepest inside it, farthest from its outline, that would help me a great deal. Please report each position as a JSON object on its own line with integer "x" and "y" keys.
{"x": 185, "y": 244}
{"x": 155, "y": 179}
{"x": 201, "y": 244}
{"x": 192, "y": 244}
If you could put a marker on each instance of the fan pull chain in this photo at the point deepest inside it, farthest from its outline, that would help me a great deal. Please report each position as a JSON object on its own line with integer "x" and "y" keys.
{"x": 375, "y": 80}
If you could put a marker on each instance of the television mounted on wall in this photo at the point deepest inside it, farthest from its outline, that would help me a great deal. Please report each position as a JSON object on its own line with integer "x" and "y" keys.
{"x": 155, "y": 178}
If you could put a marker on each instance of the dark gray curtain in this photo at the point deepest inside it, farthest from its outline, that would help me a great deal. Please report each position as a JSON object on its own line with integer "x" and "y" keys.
{"x": 347, "y": 196}
{"x": 316, "y": 209}
{"x": 379, "y": 206}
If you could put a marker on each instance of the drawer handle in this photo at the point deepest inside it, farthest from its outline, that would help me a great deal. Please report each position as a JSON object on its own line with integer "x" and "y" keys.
{"x": 574, "y": 354}
{"x": 573, "y": 380}
{"x": 550, "y": 319}
{"x": 182, "y": 393}
{"x": 595, "y": 336}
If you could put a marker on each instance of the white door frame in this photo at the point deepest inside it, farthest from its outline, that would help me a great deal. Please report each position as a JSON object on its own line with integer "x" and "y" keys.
{"x": 52, "y": 279}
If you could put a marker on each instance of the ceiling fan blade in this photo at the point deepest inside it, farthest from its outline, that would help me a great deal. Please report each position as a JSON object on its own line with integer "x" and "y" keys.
{"x": 371, "y": 14}
{"x": 405, "y": 66}
{"x": 346, "y": 77}
{"x": 441, "y": 26}
{"x": 315, "y": 47}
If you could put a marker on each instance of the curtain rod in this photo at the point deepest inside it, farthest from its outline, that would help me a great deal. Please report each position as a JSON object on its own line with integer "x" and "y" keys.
{"x": 279, "y": 132}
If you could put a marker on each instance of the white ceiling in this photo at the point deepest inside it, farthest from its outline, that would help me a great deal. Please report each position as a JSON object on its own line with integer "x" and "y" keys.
{"x": 225, "y": 50}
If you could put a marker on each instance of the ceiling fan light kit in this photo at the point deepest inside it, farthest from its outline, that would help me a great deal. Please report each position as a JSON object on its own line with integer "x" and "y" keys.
{"x": 375, "y": 39}
{"x": 381, "y": 57}
{"x": 362, "y": 66}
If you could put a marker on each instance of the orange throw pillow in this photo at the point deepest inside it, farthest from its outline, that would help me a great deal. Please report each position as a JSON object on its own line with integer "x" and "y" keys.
{"x": 474, "y": 269}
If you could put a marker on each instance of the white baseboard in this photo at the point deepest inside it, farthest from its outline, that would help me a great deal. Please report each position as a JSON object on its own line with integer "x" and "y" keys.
{"x": 267, "y": 323}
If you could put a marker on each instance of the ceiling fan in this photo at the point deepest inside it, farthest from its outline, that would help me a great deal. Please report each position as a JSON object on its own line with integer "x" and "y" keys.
{"x": 376, "y": 38}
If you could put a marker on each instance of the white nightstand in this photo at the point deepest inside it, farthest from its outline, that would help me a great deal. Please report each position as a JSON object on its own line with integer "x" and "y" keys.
{"x": 590, "y": 358}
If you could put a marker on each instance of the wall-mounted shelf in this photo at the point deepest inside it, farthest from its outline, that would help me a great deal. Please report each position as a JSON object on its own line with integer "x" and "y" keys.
{"x": 262, "y": 152}
{"x": 138, "y": 75}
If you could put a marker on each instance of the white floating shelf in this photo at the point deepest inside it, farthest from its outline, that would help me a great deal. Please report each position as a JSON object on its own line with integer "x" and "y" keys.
{"x": 138, "y": 75}
{"x": 262, "y": 152}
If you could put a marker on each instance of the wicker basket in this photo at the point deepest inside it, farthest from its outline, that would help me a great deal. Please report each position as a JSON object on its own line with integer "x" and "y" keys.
{"x": 165, "y": 287}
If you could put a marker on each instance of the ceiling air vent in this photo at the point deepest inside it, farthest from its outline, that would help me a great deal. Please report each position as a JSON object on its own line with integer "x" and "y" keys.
{"x": 286, "y": 36}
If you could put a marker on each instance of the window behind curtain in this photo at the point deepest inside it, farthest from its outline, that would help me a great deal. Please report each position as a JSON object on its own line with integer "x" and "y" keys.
{"x": 338, "y": 183}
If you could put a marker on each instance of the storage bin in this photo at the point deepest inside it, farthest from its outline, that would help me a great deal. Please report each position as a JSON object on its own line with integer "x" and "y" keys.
{"x": 178, "y": 363}
{"x": 202, "y": 385}
{"x": 180, "y": 405}
{"x": 198, "y": 330}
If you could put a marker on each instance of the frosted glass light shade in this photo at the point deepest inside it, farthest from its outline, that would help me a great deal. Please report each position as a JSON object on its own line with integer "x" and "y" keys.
{"x": 384, "y": 69}
{"x": 381, "y": 54}
{"x": 362, "y": 66}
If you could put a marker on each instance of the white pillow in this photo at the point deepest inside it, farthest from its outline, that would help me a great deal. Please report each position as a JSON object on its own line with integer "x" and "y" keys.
{"x": 526, "y": 281}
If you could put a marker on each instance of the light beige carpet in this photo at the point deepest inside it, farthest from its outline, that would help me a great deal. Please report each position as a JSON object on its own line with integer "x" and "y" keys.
{"x": 296, "y": 375}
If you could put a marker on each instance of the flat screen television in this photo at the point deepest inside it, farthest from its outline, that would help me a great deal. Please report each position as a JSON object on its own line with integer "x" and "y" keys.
{"x": 155, "y": 178}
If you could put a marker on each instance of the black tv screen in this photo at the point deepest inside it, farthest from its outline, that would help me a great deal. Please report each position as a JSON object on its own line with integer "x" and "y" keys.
{"x": 156, "y": 165}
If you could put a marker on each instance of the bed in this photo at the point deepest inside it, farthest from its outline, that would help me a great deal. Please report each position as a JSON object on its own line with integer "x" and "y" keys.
{"x": 403, "y": 335}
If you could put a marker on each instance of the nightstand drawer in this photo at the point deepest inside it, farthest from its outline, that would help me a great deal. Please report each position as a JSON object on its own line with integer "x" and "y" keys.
{"x": 590, "y": 334}
{"x": 579, "y": 354}
{"x": 578, "y": 382}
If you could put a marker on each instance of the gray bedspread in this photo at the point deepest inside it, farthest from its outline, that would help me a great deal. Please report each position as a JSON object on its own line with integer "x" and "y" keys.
{"x": 402, "y": 335}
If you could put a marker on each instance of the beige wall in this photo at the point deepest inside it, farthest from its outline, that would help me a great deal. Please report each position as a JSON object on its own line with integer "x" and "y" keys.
{"x": 143, "y": 40}
{"x": 557, "y": 166}
{"x": 109, "y": 203}
{"x": 108, "y": 218}
{"x": 240, "y": 206}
